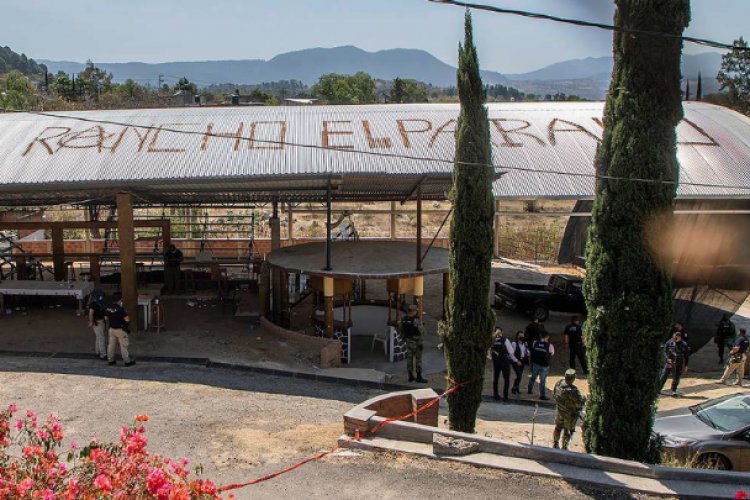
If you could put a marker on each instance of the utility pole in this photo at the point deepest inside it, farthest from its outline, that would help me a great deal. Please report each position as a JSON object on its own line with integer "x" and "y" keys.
{"x": 161, "y": 81}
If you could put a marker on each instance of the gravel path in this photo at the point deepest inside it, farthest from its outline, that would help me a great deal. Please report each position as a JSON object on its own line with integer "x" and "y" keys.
{"x": 242, "y": 425}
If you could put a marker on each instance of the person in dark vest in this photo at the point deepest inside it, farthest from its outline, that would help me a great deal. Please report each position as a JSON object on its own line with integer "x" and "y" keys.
{"x": 172, "y": 260}
{"x": 725, "y": 334}
{"x": 541, "y": 353}
{"x": 574, "y": 340}
{"x": 521, "y": 352}
{"x": 96, "y": 322}
{"x": 676, "y": 354}
{"x": 534, "y": 331}
{"x": 119, "y": 326}
{"x": 502, "y": 357}
{"x": 412, "y": 331}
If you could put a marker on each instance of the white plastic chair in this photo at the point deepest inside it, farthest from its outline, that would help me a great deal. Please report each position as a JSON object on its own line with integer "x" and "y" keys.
{"x": 383, "y": 338}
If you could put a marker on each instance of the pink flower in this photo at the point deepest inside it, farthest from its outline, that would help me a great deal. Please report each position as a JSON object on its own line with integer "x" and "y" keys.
{"x": 25, "y": 485}
{"x": 73, "y": 445}
{"x": 155, "y": 481}
{"x": 43, "y": 435}
{"x": 19, "y": 424}
{"x": 48, "y": 495}
{"x": 30, "y": 414}
{"x": 103, "y": 483}
{"x": 12, "y": 408}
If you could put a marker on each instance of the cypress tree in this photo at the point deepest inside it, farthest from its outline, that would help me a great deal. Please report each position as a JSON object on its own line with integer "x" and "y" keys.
{"x": 467, "y": 330}
{"x": 687, "y": 90}
{"x": 699, "y": 90}
{"x": 628, "y": 294}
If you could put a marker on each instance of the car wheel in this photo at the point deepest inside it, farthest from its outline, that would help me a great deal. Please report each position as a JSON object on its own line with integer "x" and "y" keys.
{"x": 715, "y": 461}
{"x": 539, "y": 312}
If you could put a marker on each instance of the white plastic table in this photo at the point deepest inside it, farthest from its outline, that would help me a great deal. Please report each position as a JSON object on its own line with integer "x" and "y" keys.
{"x": 77, "y": 289}
{"x": 144, "y": 302}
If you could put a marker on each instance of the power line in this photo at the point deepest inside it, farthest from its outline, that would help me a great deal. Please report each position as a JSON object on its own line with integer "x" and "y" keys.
{"x": 503, "y": 169}
{"x": 590, "y": 24}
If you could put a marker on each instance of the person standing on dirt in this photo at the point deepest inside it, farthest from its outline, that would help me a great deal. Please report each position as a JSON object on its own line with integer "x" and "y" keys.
{"x": 573, "y": 336}
{"x": 737, "y": 359}
{"x": 569, "y": 403}
{"x": 725, "y": 334}
{"x": 96, "y": 322}
{"x": 534, "y": 331}
{"x": 676, "y": 353}
{"x": 119, "y": 327}
{"x": 521, "y": 352}
{"x": 172, "y": 260}
{"x": 502, "y": 357}
{"x": 413, "y": 332}
{"x": 541, "y": 354}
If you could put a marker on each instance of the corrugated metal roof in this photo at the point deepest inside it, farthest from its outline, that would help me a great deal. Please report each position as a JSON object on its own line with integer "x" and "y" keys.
{"x": 385, "y": 150}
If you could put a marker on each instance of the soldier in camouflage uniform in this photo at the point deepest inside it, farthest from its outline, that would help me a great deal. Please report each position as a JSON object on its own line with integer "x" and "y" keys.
{"x": 412, "y": 331}
{"x": 569, "y": 405}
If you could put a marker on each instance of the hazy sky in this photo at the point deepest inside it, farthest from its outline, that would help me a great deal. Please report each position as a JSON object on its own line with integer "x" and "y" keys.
{"x": 182, "y": 30}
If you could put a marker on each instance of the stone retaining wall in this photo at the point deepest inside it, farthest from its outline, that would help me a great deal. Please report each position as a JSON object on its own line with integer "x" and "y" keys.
{"x": 329, "y": 350}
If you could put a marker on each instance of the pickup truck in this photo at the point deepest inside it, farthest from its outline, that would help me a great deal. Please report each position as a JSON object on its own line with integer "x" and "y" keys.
{"x": 563, "y": 293}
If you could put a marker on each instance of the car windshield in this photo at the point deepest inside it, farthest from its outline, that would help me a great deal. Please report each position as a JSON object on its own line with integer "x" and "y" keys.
{"x": 726, "y": 415}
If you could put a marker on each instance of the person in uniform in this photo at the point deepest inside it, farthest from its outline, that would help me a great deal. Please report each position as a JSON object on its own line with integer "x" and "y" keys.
{"x": 676, "y": 354}
{"x": 172, "y": 260}
{"x": 534, "y": 331}
{"x": 737, "y": 359}
{"x": 574, "y": 340}
{"x": 119, "y": 321}
{"x": 412, "y": 331}
{"x": 570, "y": 402}
{"x": 96, "y": 322}
{"x": 725, "y": 335}
{"x": 503, "y": 357}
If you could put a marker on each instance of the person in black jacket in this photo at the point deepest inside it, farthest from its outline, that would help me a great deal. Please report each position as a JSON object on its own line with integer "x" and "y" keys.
{"x": 119, "y": 326}
{"x": 502, "y": 357}
{"x": 541, "y": 353}
{"x": 534, "y": 331}
{"x": 172, "y": 260}
{"x": 574, "y": 340}
{"x": 676, "y": 354}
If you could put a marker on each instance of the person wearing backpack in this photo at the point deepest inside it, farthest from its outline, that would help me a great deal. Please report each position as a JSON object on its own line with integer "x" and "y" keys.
{"x": 541, "y": 352}
{"x": 502, "y": 357}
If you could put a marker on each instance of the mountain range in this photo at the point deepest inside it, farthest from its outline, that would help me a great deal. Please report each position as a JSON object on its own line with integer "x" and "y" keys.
{"x": 587, "y": 78}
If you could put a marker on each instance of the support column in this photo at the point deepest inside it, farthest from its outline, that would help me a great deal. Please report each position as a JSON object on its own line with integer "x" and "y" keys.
{"x": 328, "y": 305}
{"x": 290, "y": 223}
{"x": 497, "y": 230}
{"x": 419, "y": 295}
{"x": 264, "y": 296}
{"x": 284, "y": 299}
{"x": 128, "y": 278}
{"x": 419, "y": 229}
{"x": 58, "y": 253}
{"x": 275, "y": 227}
{"x": 393, "y": 220}
{"x": 328, "y": 228}
{"x": 166, "y": 235}
{"x": 95, "y": 269}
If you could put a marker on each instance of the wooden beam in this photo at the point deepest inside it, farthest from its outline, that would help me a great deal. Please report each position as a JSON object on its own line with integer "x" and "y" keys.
{"x": 58, "y": 254}
{"x": 128, "y": 278}
{"x": 166, "y": 233}
{"x": 414, "y": 190}
{"x": 419, "y": 229}
{"x": 49, "y": 226}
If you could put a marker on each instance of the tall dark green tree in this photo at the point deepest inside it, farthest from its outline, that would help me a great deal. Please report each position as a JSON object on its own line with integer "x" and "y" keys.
{"x": 687, "y": 90}
{"x": 734, "y": 76}
{"x": 467, "y": 330}
{"x": 628, "y": 293}
{"x": 699, "y": 89}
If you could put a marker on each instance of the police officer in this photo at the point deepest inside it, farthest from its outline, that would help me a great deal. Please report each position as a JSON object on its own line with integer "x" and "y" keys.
{"x": 96, "y": 322}
{"x": 725, "y": 334}
{"x": 574, "y": 339}
{"x": 119, "y": 321}
{"x": 569, "y": 402}
{"x": 502, "y": 357}
{"x": 412, "y": 331}
{"x": 676, "y": 354}
{"x": 541, "y": 352}
{"x": 534, "y": 331}
{"x": 172, "y": 260}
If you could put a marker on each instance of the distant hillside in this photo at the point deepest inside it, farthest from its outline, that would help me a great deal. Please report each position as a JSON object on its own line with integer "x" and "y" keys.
{"x": 589, "y": 77}
{"x": 304, "y": 65}
{"x": 10, "y": 60}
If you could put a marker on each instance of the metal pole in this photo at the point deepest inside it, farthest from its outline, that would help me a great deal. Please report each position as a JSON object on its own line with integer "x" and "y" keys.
{"x": 419, "y": 228}
{"x": 328, "y": 227}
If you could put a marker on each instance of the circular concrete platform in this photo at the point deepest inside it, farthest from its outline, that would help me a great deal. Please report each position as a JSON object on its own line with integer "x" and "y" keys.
{"x": 360, "y": 259}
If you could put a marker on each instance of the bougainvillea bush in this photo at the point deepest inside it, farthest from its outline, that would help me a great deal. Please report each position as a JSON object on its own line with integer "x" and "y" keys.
{"x": 32, "y": 465}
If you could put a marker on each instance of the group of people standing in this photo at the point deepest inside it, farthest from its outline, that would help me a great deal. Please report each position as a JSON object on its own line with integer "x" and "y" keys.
{"x": 110, "y": 326}
{"x": 533, "y": 348}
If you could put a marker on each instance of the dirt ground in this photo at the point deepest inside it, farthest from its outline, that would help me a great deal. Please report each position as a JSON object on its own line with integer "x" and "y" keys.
{"x": 241, "y": 426}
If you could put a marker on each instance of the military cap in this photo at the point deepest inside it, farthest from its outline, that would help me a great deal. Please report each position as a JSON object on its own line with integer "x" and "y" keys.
{"x": 570, "y": 372}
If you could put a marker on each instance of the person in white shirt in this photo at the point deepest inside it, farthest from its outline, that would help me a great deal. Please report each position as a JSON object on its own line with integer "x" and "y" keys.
{"x": 521, "y": 353}
{"x": 502, "y": 359}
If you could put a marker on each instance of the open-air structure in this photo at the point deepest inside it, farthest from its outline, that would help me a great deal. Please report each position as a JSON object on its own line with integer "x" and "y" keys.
{"x": 320, "y": 159}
